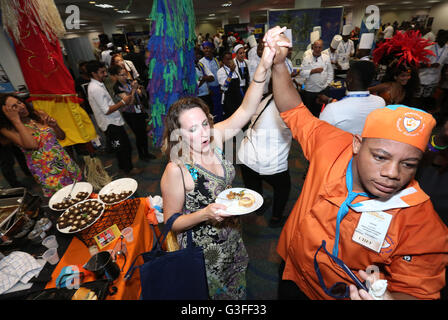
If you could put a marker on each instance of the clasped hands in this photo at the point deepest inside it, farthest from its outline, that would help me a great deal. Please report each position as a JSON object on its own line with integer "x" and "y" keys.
{"x": 276, "y": 46}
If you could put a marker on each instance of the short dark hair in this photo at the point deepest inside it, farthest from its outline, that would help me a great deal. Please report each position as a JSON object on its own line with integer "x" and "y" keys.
{"x": 93, "y": 66}
{"x": 115, "y": 69}
{"x": 363, "y": 72}
{"x": 224, "y": 54}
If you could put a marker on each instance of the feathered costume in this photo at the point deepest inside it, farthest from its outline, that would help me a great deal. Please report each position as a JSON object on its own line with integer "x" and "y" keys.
{"x": 404, "y": 48}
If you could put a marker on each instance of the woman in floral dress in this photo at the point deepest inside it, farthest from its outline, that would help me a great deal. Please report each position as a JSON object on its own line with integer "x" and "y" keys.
{"x": 197, "y": 173}
{"x": 37, "y": 134}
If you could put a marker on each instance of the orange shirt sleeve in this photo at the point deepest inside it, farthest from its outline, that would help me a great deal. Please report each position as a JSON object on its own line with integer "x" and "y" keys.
{"x": 308, "y": 130}
{"x": 418, "y": 265}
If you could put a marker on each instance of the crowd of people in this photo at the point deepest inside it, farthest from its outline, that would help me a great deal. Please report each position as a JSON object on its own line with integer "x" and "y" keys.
{"x": 380, "y": 149}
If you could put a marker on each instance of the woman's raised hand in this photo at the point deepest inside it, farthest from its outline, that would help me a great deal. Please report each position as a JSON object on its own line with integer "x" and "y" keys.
{"x": 11, "y": 112}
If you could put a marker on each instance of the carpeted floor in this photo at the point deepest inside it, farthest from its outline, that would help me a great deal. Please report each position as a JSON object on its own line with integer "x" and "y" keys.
{"x": 260, "y": 240}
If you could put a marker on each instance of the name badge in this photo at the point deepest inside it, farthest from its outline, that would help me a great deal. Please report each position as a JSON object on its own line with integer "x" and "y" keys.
{"x": 242, "y": 82}
{"x": 372, "y": 229}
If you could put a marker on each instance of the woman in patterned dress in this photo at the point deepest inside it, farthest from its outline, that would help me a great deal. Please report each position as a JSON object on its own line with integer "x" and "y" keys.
{"x": 37, "y": 135}
{"x": 198, "y": 172}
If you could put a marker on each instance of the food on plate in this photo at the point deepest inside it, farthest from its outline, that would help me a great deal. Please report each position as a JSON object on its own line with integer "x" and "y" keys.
{"x": 80, "y": 215}
{"x": 115, "y": 197}
{"x": 247, "y": 200}
{"x": 235, "y": 195}
{"x": 66, "y": 203}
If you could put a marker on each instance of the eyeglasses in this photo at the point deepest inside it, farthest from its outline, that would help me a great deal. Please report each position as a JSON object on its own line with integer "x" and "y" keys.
{"x": 339, "y": 290}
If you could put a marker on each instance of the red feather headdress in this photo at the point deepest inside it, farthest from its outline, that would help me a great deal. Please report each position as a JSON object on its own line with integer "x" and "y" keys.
{"x": 407, "y": 48}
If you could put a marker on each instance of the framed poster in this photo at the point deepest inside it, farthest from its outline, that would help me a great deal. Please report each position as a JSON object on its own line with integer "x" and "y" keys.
{"x": 302, "y": 22}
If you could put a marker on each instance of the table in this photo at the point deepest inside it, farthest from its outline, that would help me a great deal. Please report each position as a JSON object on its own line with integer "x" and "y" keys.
{"x": 73, "y": 250}
{"x": 77, "y": 253}
{"x": 338, "y": 93}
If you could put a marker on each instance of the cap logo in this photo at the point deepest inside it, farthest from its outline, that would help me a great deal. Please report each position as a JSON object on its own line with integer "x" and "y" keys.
{"x": 411, "y": 124}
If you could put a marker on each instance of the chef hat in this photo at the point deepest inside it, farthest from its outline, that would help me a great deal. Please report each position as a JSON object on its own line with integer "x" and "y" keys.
{"x": 400, "y": 123}
{"x": 336, "y": 40}
{"x": 347, "y": 29}
{"x": 314, "y": 36}
{"x": 237, "y": 47}
{"x": 366, "y": 41}
{"x": 318, "y": 28}
{"x": 110, "y": 45}
{"x": 252, "y": 41}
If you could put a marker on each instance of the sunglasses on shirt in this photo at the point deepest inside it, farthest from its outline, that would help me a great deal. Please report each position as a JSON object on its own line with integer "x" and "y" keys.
{"x": 339, "y": 290}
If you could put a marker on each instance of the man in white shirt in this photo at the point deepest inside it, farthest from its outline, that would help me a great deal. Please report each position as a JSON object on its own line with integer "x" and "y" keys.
{"x": 331, "y": 51}
{"x": 106, "y": 55}
{"x": 108, "y": 116}
{"x": 204, "y": 77}
{"x": 388, "y": 31}
{"x": 349, "y": 114}
{"x": 318, "y": 74}
{"x": 430, "y": 75}
{"x": 212, "y": 64}
{"x": 345, "y": 50}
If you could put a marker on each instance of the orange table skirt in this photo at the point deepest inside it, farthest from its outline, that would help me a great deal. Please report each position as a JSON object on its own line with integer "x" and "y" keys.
{"x": 77, "y": 253}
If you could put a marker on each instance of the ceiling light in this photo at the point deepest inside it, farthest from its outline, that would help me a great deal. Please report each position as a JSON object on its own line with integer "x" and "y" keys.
{"x": 406, "y": 2}
{"x": 227, "y": 4}
{"x": 124, "y": 11}
{"x": 92, "y": 2}
{"x": 104, "y": 6}
{"x": 211, "y": 15}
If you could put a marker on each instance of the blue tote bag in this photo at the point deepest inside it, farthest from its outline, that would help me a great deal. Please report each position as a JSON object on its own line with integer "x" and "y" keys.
{"x": 176, "y": 275}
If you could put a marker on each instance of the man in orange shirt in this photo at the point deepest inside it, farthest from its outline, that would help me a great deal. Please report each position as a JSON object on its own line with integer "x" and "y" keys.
{"x": 360, "y": 205}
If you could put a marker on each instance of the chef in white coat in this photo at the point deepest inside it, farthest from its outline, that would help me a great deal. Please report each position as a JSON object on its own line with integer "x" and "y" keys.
{"x": 346, "y": 49}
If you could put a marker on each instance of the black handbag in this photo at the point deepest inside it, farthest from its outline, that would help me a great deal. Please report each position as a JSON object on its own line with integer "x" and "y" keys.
{"x": 176, "y": 275}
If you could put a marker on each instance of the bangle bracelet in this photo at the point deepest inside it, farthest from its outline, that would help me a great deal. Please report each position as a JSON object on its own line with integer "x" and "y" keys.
{"x": 436, "y": 146}
{"x": 122, "y": 101}
{"x": 431, "y": 148}
{"x": 259, "y": 81}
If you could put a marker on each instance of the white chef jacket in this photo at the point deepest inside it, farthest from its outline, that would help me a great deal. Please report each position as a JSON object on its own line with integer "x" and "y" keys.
{"x": 318, "y": 81}
{"x": 344, "y": 51}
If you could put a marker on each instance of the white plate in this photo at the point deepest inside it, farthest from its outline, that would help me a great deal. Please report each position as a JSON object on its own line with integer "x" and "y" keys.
{"x": 117, "y": 186}
{"x": 232, "y": 205}
{"x": 66, "y": 230}
{"x": 59, "y": 196}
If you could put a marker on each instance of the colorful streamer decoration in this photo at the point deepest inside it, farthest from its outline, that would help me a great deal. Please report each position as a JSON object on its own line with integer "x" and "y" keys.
{"x": 171, "y": 59}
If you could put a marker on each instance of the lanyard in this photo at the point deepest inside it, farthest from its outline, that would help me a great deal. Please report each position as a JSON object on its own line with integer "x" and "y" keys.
{"x": 343, "y": 210}
{"x": 356, "y": 95}
{"x": 290, "y": 68}
{"x": 437, "y": 51}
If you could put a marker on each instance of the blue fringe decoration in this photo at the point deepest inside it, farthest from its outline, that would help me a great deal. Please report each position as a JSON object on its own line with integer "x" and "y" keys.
{"x": 171, "y": 72}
